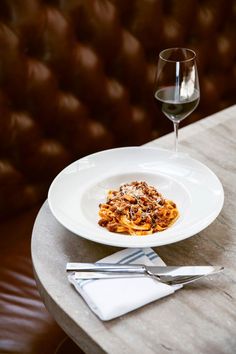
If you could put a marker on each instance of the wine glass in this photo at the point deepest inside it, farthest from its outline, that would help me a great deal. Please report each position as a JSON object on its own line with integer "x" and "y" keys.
{"x": 176, "y": 85}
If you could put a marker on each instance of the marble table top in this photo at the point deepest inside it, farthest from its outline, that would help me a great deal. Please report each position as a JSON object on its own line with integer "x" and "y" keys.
{"x": 201, "y": 318}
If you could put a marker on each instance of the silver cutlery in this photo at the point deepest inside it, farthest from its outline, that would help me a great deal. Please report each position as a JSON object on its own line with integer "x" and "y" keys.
{"x": 171, "y": 275}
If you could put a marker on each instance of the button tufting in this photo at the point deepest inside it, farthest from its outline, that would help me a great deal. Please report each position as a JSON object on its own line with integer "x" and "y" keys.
{"x": 74, "y": 73}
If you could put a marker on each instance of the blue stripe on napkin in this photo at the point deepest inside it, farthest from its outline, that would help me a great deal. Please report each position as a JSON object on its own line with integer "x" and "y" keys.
{"x": 132, "y": 257}
{"x": 125, "y": 260}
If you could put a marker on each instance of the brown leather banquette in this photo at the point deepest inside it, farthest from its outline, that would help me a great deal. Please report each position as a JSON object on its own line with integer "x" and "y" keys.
{"x": 76, "y": 76}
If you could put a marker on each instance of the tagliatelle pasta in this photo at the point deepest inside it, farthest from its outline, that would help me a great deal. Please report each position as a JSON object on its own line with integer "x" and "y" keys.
{"x": 137, "y": 209}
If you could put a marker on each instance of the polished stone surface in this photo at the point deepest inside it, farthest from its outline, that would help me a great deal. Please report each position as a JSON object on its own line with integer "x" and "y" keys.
{"x": 200, "y": 318}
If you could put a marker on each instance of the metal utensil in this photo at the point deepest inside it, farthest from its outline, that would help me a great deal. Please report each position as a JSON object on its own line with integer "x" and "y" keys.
{"x": 169, "y": 275}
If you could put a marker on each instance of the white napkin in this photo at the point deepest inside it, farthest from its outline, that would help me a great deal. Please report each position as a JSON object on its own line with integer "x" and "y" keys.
{"x": 110, "y": 298}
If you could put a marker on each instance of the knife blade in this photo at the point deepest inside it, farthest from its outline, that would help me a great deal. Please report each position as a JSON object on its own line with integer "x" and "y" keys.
{"x": 139, "y": 269}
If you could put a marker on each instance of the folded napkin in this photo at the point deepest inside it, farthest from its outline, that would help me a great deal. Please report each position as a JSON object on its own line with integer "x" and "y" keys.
{"x": 110, "y": 298}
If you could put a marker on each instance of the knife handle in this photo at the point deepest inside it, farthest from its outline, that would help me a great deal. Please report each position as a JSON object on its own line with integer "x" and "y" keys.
{"x": 109, "y": 267}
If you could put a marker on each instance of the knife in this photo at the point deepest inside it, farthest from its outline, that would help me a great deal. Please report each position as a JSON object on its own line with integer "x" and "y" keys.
{"x": 166, "y": 274}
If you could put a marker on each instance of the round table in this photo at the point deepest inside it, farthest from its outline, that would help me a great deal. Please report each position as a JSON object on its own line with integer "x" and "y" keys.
{"x": 200, "y": 318}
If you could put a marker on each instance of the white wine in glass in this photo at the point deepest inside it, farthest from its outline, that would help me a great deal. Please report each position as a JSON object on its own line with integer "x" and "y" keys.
{"x": 177, "y": 86}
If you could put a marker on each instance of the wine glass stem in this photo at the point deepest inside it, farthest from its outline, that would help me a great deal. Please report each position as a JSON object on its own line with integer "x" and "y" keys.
{"x": 176, "y": 130}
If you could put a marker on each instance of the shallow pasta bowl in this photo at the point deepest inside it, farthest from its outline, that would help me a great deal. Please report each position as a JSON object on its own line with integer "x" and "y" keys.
{"x": 75, "y": 194}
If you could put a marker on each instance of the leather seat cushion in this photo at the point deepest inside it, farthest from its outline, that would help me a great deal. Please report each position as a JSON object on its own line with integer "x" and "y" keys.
{"x": 26, "y": 327}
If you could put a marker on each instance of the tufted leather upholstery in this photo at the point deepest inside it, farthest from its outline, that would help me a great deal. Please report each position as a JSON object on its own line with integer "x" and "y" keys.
{"x": 25, "y": 325}
{"x": 76, "y": 77}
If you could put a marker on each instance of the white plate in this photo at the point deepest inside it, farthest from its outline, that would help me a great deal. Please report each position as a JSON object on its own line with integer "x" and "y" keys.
{"x": 76, "y": 192}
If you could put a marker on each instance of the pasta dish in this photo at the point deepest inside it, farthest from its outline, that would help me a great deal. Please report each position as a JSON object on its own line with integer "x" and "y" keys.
{"x": 137, "y": 209}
